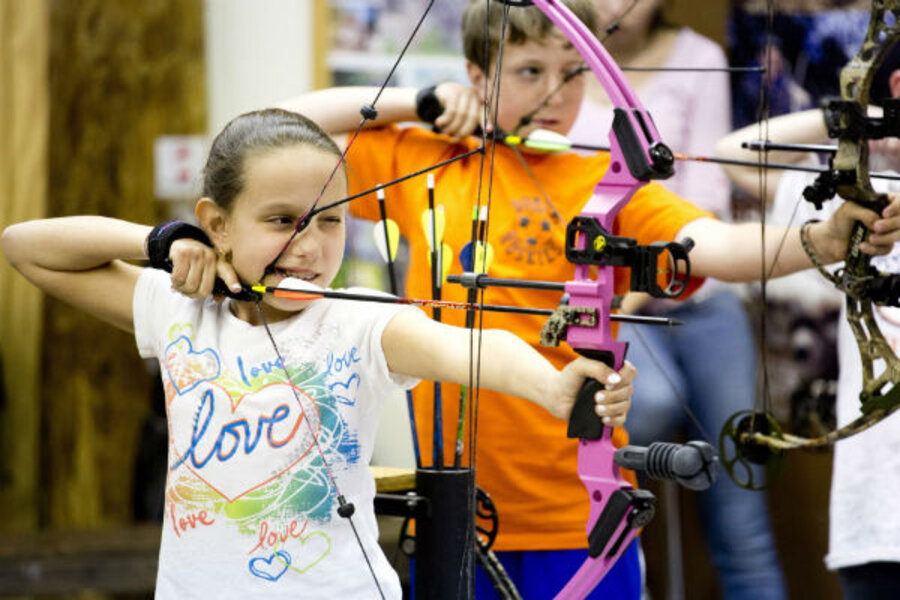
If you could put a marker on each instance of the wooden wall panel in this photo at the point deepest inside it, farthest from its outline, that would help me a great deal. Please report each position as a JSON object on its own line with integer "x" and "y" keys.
{"x": 709, "y": 17}
{"x": 24, "y": 97}
{"x": 122, "y": 73}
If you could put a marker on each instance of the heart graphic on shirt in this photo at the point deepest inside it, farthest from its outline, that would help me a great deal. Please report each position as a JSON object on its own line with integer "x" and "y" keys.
{"x": 314, "y": 547}
{"x": 272, "y": 568}
{"x": 237, "y": 447}
{"x": 187, "y": 368}
{"x": 345, "y": 391}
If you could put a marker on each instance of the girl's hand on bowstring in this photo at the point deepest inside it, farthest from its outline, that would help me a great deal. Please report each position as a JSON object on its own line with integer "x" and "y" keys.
{"x": 611, "y": 404}
{"x": 462, "y": 110}
{"x": 195, "y": 267}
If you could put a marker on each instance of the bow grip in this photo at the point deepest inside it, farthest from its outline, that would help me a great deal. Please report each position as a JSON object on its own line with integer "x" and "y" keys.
{"x": 584, "y": 422}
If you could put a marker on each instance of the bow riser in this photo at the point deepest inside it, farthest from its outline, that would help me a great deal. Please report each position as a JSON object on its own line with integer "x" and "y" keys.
{"x": 596, "y": 294}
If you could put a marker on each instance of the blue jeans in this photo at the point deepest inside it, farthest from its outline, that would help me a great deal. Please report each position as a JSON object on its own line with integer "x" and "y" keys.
{"x": 541, "y": 574}
{"x": 711, "y": 362}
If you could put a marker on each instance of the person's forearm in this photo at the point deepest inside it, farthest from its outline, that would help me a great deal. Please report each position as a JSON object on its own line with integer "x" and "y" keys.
{"x": 337, "y": 110}
{"x": 806, "y": 127}
{"x": 733, "y": 252}
{"x": 526, "y": 377}
{"x": 417, "y": 346}
{"x": 73, "y": 243}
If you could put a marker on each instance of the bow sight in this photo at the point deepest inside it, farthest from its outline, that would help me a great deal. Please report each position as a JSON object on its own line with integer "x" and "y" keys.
{"x": 847, "y": 120}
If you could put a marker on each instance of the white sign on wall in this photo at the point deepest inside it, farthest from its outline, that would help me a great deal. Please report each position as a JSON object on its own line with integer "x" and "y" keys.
{"x": 178, "y": 162}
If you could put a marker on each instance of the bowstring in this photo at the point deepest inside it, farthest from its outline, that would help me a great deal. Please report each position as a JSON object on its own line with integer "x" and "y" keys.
{"x": 342, "y": 502}
{"x": 369, "y": 113}
{"x": 762, "y": 118}
{"x": 490, "y": 110}
{"x": 614, "y": 26}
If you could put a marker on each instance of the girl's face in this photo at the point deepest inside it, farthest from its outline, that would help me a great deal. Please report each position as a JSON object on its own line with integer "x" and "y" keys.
{"x": 280, "y": 186}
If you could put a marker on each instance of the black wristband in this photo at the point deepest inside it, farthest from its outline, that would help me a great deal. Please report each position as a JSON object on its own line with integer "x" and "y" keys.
{"x": 160, "y": 240}
{"x": 428, "y": 107}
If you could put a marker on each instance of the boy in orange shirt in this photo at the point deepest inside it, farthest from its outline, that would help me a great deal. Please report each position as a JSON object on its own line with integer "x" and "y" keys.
{"x": 524, "y": 460}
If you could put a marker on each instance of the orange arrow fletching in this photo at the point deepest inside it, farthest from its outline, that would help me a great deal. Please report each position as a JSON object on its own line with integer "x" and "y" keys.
{"x": 295, "y": 294}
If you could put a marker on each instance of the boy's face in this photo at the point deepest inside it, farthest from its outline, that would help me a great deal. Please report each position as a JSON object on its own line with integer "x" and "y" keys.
{"x": 530, "y": 72}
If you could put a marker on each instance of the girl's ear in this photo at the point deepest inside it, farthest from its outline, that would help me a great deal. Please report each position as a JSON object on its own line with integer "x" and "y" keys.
{"x": 214, "y": 221}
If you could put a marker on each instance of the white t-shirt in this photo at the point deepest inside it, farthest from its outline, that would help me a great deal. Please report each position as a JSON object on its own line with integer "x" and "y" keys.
{"x": 250, "y": 509}
{"x": 865, "y": 485}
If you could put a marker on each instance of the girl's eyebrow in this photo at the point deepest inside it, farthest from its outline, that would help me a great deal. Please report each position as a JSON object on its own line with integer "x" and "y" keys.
{"x": 282, "y": 206}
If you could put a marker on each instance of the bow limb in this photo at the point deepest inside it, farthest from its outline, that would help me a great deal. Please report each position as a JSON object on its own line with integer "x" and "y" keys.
{"x": 879, "y": 392}
{"x": 617, "y": 511}
{"x": 757, "y": 438}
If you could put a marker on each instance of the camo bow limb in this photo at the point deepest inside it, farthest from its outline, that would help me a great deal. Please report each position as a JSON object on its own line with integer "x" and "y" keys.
{"x": 757, "y": 437}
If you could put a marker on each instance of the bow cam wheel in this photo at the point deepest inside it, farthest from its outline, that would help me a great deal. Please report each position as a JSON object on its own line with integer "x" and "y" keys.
{"x": 739, "y": 452}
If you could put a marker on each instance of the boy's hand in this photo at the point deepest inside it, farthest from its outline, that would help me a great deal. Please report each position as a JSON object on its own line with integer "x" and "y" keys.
{"x": 831, "y": 238}
{"x": 462, "y": 109}
{"x": 612, "y": 404}
{"x": 195, "y": 267}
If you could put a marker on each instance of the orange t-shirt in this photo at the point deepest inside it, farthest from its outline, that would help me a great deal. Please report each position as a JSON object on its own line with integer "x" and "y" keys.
{"x": 524, "y": 459}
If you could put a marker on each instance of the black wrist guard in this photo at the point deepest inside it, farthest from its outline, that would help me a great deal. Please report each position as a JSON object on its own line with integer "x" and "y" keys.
{"x": 428, "y": 107}
{"x": 160, "y": 240}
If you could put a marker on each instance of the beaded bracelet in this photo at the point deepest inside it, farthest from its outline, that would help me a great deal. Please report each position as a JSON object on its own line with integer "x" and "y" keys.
{"x": 811, "y": 253}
